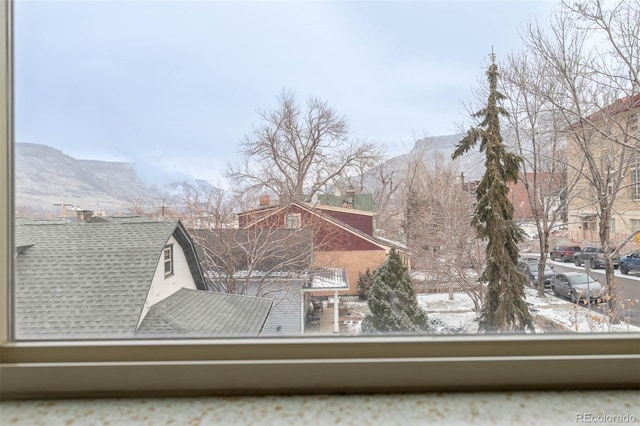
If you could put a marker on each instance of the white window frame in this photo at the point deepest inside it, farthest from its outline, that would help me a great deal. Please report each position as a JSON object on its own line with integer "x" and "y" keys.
{"x": 167, "y": 257}
{"x": 296, "y": 219}
{"x": 277, "y": 365}
{"x": 634, "y": 171}
{"x": 633, "y": 122}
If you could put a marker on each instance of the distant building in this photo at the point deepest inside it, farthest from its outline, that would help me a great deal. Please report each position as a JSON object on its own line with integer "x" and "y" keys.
{"x": 550, "y": 186}
{"x": 274, "y": 264}
{"x": 619, "y": 121}
{"x": 351, "y": 200}
{"x": 342, "y": 237}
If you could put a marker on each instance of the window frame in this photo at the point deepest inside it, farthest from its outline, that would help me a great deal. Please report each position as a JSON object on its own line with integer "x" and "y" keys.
{"x": 168, "y": 249}
{"x": 46, "y": 369}
{"x": 634, "y": 176}
{"x": 632, "y": 121}
{"x": 296, "y": 220}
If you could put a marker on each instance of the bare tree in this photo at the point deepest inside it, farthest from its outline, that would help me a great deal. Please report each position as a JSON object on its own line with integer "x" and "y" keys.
{"x": 534, "y": 128}
{"x": 296, "y": 152}
{"x": 438, "y": 227}
{"x": 388, "y": 200}
{"x": 591, "y": 54}
{"x": 414, "y": 188}
{"x": 267, "y": 259}
{"x": 162, "y": 206}
{"x": 207, "y": 206}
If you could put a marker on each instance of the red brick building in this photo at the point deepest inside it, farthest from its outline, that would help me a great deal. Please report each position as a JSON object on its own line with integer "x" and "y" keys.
{"x": 550, "y": 183}
{"x": 342, "y": 237}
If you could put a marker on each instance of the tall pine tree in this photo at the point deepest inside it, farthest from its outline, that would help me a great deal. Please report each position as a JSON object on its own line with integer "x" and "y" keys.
{"x": 392, "y": 301}
{"x": 504, "y": 308}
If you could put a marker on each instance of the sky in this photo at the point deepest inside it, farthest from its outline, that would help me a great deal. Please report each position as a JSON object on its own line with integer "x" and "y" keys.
{"x": 174, "y": 86}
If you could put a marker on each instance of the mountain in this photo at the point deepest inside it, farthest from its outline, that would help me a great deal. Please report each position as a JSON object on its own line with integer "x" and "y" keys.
{"x": 434, "y": 148}
{"x": 440, "y": 148}
{"x": 45, "y": 176}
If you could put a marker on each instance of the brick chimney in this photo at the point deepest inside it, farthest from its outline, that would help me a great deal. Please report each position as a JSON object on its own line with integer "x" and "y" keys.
{"x": 350, "y": 198}
{"x": 265, "y": 200}
{"x": 84, "y": 215}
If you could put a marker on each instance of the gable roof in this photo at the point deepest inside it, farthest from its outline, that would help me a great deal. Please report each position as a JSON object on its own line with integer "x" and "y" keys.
{"x": 621, "y": 105}
{"x": 89, "y": 279}
{"x": 383, "y": 244}
{"x": 197, "y": 313}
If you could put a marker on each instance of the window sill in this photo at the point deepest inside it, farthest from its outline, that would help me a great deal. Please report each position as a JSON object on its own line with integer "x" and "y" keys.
{"x": 319, "y": 365}
{"x": 567, "y": 408}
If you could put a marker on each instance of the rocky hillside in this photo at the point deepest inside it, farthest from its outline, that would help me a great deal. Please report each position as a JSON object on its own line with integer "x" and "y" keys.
{"x": 435, "y": 148}
{"x": 45, "y": 176}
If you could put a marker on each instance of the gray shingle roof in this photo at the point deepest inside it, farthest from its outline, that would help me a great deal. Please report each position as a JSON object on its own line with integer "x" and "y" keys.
{"x": 85, "y": 279}
{"x": 202, "y": 313}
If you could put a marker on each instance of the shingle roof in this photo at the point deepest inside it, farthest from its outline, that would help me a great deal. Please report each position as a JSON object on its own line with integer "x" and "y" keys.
{"x": 203, "y": 313}
{"x": 85, "y": 279}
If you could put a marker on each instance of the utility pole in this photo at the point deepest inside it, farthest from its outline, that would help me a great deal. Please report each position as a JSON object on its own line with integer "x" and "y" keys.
{"x": 64, "y": 208}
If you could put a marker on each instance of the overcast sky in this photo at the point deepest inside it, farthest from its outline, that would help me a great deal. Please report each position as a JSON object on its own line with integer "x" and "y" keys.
{"x": 173, "y": 86}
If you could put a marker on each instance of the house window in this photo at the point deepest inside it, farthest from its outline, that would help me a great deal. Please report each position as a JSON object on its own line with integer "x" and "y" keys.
{"x": 607, "y": 159}
{"x": 292, "y": 221}
{"x": 635, "y": 176}
{"x": 612, "y": 225}
{"x": 633, "y": 123}
{"x": 635, "y": 225}
{"x": 168, "y": 260}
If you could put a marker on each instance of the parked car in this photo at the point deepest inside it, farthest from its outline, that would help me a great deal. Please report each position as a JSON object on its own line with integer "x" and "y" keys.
{"x": 630, "y": 262}
{"x": 531, "y": 271}
{"x": 577, "y": 286}
{"x": 564, "y": 253}
{"x": 595, "y": 257}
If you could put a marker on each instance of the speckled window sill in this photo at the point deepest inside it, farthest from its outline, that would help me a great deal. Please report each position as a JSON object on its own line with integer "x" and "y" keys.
{"x": 512, "y": 408}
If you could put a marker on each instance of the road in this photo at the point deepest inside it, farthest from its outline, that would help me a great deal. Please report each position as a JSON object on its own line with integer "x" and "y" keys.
{"x": 628, "y": 286}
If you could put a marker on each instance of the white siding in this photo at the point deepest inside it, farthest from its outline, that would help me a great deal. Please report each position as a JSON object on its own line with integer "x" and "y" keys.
{"x": 285, "y": 318}
{"x": 161, "y": 286}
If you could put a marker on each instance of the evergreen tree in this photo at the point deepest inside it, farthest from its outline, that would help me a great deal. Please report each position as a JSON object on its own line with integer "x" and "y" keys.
{"x": 504, "y": 308}
{"x": 392, "y": 301}
{"x": 364, "y": 284}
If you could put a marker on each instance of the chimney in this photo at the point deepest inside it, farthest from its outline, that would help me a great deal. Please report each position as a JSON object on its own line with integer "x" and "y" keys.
{"x": 84, "y": 215}
{"x": 265, "y": 200}
{"x": 350, "y": 198}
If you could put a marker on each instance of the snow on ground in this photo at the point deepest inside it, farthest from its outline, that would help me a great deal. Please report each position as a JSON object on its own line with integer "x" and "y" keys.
{"x": 457, "y": 313}
{"x": 571, "y": 317}
{"x": 552, "y": 313}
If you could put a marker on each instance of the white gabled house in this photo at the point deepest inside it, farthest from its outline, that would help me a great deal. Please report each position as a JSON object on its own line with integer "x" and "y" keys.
{"x": 100, "y": 277}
